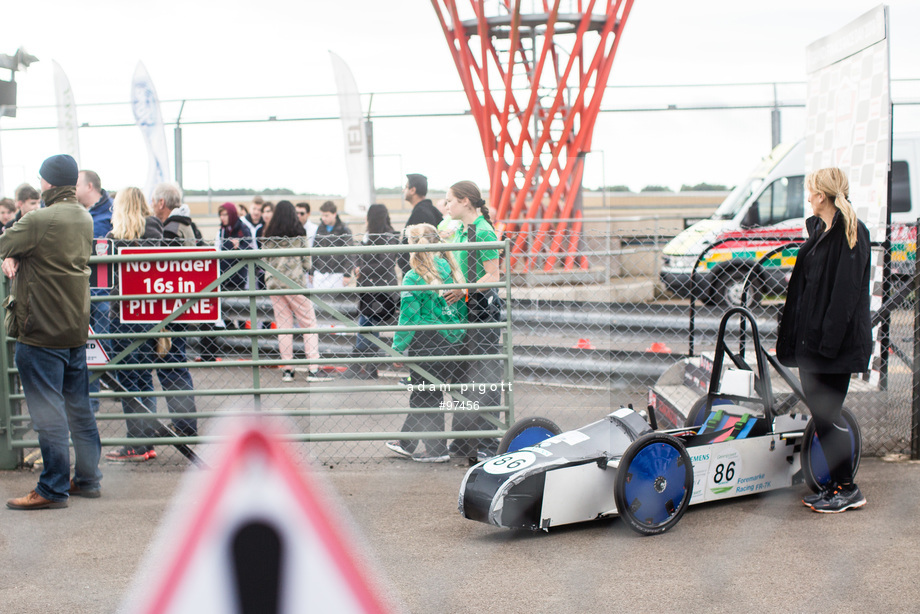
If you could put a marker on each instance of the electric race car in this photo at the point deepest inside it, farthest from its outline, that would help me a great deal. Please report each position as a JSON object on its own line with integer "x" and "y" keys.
{"x": 732, "y": 445}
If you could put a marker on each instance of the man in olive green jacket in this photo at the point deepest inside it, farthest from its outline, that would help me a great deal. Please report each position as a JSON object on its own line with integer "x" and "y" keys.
{"x": 46, "y": 254}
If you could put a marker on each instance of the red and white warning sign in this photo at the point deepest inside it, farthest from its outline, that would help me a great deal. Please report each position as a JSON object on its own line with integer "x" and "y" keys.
{"x": 164, "y": 277}
{"x": 259, "y": 539}
{"x": 95, "y": 353}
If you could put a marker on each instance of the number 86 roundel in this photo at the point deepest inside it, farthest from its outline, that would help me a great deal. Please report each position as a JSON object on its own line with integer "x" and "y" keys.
{"x": 509, "y": 463}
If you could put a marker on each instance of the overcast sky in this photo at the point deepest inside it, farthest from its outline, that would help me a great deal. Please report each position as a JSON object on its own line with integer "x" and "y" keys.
{"x": 195, "y": 50}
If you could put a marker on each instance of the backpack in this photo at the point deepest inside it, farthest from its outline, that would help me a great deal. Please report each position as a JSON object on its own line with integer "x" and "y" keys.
{"x": 181, "y": 233}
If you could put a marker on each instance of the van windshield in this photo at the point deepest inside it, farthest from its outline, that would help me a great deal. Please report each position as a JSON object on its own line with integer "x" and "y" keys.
{"x": 736, "y": 199}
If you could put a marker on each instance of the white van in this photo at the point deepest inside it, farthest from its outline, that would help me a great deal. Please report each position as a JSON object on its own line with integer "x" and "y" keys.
{"x": 768, "y": 210}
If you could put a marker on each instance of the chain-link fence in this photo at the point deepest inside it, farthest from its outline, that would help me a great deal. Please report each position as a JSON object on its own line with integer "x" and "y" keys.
{"x": 601, "y": 326}
{"x": 626, "y": 324}
{"x": 168, "y": 367}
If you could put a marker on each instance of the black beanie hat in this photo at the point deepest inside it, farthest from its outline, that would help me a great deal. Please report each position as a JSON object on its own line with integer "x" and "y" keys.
{"x": 60, "y": 170}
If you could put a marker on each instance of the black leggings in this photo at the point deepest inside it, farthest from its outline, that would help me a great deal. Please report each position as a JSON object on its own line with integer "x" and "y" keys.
{"x": 824, "y": 395}
{"x": 430, "y": 343}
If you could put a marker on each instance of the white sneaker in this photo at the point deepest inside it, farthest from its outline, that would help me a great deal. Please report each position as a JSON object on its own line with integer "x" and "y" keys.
{"x": 396, "y": 447}
{"x": 425, "y": 457}
{"x": 318, "y": 376}
{"x": 288, "y": 375}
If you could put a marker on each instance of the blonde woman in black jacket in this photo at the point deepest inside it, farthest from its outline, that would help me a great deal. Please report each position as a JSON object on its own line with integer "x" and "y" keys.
{"x": 825, "y": 327}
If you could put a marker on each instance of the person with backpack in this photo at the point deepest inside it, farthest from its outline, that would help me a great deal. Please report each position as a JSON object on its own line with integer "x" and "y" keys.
{"x": 178, "y": 230}
{"x": 465, "y": 203}
{"x": 176, "y": 217}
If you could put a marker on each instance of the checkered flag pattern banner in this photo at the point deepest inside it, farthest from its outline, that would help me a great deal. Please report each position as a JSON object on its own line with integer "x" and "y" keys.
{"x": 848, "y": 125}
{"x": 848, "y": 113}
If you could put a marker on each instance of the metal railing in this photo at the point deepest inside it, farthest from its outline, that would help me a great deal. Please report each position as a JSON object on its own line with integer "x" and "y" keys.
{"x": 580, "y": 347}
{"x": 343, "y": 410}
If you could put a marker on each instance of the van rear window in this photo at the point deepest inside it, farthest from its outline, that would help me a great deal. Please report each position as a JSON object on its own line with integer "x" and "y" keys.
{"x": 782, "y": 200}
{"x": 900, "y": 187}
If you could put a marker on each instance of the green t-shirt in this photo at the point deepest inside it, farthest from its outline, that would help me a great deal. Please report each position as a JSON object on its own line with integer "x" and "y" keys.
{"x": 425, "y": 307}
{"x": 484, "y": 233}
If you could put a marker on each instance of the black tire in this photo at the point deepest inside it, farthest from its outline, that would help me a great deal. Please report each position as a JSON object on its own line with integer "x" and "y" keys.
{"x": 654, "y": 484}
{"x": 527, "y": 432}
{"x": 694, "y": 416}
{"x": 730, "y": 283}
{"x": 814, "y": 464}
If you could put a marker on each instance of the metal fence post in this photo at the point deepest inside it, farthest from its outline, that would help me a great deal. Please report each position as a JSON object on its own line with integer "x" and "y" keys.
{"x": 254, "y": 324}
{"x": 9, "y": 457}
{"x": 608, "y": 244}
{"x": 915, "y": 398}
{"x": 509, "y": 345}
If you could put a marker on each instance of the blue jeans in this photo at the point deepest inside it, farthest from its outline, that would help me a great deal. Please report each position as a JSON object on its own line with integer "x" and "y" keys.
{"x": 55, "y": 382}
{"x": 101, "y": 323}
{"x": 362, "y": 344}
{"x": 178, "y": 379}
{"x": 135, "y": 380}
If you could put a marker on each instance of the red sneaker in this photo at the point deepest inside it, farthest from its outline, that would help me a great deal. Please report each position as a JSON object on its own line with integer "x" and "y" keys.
{"x": 131, "y": 454}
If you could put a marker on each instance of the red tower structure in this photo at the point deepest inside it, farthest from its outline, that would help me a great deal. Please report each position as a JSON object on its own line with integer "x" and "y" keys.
{"x": 534, "y": 83}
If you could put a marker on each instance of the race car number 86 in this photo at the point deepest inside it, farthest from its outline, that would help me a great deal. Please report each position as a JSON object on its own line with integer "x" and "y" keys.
{"x": 508, "y": 463}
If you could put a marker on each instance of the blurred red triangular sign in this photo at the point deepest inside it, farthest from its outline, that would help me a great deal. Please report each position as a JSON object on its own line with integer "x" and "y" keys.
{"x": 259, "y": 540}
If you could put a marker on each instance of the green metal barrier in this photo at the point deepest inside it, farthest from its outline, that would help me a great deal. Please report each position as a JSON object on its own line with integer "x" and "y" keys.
{"x": 253, "y": 393}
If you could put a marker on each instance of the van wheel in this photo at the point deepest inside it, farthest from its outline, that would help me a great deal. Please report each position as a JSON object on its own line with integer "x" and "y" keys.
{"x": 729, "y": 286}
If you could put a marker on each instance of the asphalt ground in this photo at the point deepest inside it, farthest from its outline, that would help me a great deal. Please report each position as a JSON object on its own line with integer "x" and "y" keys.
{"x": 764, "y": 553}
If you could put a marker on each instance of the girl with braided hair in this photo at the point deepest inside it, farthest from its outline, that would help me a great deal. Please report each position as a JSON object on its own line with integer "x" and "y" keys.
{"x": 465, "y": 203}
{"x": 825, "y": 328}
{"x": 419, "y": 306}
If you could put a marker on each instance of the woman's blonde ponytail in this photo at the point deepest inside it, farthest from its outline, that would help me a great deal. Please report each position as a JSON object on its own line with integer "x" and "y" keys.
{"x": 849, "y": 218}
{"x": 833, "y": 183}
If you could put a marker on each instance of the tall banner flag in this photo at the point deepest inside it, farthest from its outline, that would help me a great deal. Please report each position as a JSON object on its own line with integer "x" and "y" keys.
{"x": 146, "y": 107}
{"x": 361, "y": 193}
{"x": 2, "y": 193}
{"x": 848, "y": 125}
{"x": 68, "y": 136}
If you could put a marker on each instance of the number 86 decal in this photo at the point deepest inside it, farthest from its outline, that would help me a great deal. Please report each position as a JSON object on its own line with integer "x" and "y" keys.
{"x": 509, "y": 463}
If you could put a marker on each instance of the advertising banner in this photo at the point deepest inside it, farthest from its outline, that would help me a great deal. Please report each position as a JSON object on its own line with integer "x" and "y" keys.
{"x": 357, "y": 158}
{"x": 68, "y": 131}
{"x": 146, "y": 107}
{"x": 166, "y": 277}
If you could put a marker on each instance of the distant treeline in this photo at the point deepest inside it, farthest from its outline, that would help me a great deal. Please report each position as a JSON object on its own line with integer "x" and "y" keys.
{"x": 242, "y": 192}
{"x": 700, "y": 187}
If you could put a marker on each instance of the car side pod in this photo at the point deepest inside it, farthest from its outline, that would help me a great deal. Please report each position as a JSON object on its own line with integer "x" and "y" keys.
{"x": 654, "y": 483}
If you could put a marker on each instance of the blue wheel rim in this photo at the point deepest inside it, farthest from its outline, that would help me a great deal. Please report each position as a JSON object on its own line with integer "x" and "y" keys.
{"x": 655, "y": 484}
{"x": 530, "y": 437}
{"x": 819, "y": 469}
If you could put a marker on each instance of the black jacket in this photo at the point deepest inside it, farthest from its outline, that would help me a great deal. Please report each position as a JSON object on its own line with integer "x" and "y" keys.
{"x": 339, "y": 236}
{"x": 377, "y": 270}
{"x": 424, "y": 212}
{"x": 825, "y": 327}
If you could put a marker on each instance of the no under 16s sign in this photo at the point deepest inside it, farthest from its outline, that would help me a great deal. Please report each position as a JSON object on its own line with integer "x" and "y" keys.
{"x": 161, "y": 278}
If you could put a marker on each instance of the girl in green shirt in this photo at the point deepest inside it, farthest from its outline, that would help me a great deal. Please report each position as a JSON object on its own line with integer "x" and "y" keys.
{"x": 428, "y": 307}
{"x": 465, "y": 203}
